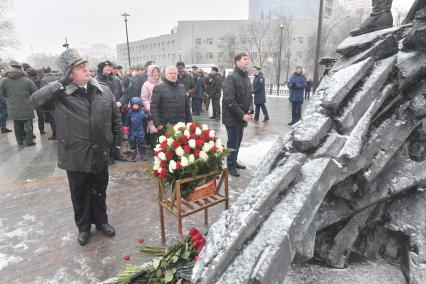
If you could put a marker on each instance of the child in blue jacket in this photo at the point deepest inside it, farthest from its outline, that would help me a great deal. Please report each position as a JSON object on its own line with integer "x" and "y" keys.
{"x": 133, "y": 126}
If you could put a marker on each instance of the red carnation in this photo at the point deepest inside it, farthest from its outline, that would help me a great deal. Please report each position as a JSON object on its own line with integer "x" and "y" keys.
{"x": 187, "y": 149}
{"x": 184, "y": 139}
{"x": 206, "y": 133}
{"x": 167, "y": 135}
{"x": 164, "y": 144}
{"x": 126, "y": 257}
{"x": 141, "y": 241}
{"x": 214, "y": 149}
{"x": 192, "y": 136}
{"x": 163, "y": 173}
{"x": 199, "y": 143}
{"x": 176, "y": 144}
{"x": 196, "y": 153}
{"x": 193, "y": 232}
{"x": 193, "y": 127}
{"x": 156, "y": 173}
{"x": 178, "y": 166}
{"x": 163, "y": 164}
{"x": 169, "y": 155}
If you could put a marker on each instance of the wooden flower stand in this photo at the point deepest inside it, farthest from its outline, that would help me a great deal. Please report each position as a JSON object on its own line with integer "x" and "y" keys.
{"x": 202, "y": 198}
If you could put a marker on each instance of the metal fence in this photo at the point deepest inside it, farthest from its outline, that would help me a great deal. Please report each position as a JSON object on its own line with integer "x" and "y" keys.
{"x": 272, "y": 90}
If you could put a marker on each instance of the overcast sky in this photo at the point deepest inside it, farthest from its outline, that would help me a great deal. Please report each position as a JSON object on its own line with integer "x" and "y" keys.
{"x": 41, "y": 26}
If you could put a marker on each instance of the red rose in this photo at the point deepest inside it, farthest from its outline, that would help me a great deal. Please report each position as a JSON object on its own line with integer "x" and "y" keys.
{"x": 184, "y": 139}
{"x": 141, "y": 241}
{"x": 192, "y": 136}
{"x": 163, "y": 173}
{"x": 163, "y": 164}
{"x": 167, "y": 135}
{"x": 169, "y": 155}
{"x": 164, "y": 144}
{"x": 178, "y": 166}
{"x": 206, "y": 133}
{"x": 199, "y": 143}
{"x": 156, "y": 173}
{"x": 196, "y": 153}
{"x": 126, "y": 257}
{"x": 176, "y": 144}
{"x": 187, "y": 149}
{"x": 214, "y": 149}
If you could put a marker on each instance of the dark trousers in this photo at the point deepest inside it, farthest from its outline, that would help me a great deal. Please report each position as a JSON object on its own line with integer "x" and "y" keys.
{"x": 49, "y": 117}
{"x": 40, "y": 120}
{"x": 307, "y": 94}
{"x": 3, "y": 117}
{"x": 257, "y": 111}
{"x": 216, "y": 107}
{"x": 23, "y": 131}
{"x": 198, "y": 102}
{"x": 296, "y": 111}
{"x": 137, "y": 144}
{"x": 88, "y": 195}
{"x": 207, "y": 103}
{"x": 235, "y": 135}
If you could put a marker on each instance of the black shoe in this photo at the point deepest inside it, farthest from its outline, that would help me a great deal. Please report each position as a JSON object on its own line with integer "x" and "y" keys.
{"x": 20, "y": 143}
{"x": 83, "y": 238}
{"x": 212, "y": 117}
{"x": 5, "y": 130}
{"x": 266, "y": 119}
{"x": 217, "y": 118}
{"x": 374, "y": 23}
{"x": 30, "y": 144}
{"x": 290, "y": 123}
{"x": 240, "y": 167}
{"x": 233, "y": 172}
{"x": 106, "y": 229}
{"x": 42, "y": 132}
{"x": 52, "y": 138}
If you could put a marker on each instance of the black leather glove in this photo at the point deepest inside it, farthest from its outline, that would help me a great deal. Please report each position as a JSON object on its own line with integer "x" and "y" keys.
{"x": 65, "y": 81}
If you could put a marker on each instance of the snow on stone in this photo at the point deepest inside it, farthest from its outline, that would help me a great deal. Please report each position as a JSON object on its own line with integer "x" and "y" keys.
{"x": 341, "y": 82}
{"x": 5, "y": 260}
{"x": 308, "y": 134}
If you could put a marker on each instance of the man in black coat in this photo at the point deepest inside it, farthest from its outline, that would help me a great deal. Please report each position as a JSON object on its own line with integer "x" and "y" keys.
{"x": 49, "y": 77}
{"x": 237, "y": 108}
{"x": 169, "y": 102}
{"x": 213, "y": 89}
{"x": 88, "y": 125}
{"x": 259, "y": 94}
{"x": 184, "y": 78}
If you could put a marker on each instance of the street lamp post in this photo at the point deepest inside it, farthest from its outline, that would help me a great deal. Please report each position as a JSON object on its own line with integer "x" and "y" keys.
{"x": 125, "y": 15}
{"x": 279, "y": 59}
{"x": 318, "y": 47}
{"x": 66, "y": 45}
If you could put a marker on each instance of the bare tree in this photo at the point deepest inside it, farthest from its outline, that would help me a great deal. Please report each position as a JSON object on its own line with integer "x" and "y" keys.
{"x": 6, "y": 27}
{"x": 229, "y": 47}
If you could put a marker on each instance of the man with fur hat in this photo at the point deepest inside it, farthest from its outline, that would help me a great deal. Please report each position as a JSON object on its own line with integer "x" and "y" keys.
{"x": 17, "y": 88}
{"x": 88, "y": 124}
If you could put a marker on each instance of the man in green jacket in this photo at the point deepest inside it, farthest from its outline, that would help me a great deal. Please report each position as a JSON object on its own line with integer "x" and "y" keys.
{"x": 17, "y": 88}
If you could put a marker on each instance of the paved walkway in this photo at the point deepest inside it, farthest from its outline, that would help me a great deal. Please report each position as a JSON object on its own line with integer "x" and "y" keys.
{"x": 37, "y": 231}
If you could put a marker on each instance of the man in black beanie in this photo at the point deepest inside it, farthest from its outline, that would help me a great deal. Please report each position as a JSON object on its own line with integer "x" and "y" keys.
{"x": 88, "y": 124}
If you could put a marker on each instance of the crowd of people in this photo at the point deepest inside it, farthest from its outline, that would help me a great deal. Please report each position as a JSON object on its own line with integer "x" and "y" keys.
{"x": 91, "y": 113}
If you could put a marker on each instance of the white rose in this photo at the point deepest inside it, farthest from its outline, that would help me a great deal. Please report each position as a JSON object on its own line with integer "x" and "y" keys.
{"x": 162, "y": 156}
{"x": 212, "y": 133}
{"x": 170, "y": 141}
{"x": 157, "y": 161}
{"x": 198, "y": 131}
{"x": 162, "y": 138}
{"x": 206, "y": 147}
{"x": 192, "y": 143}
{"x": 191, "y": 159}
{"x": 188, "y": 125}
{"x": 178, "y": 125}
{"x": 203, "y": 156}
{"x": 179, "y": 151}
{"x": 172, "y": 166}
{"x": 184, "y": 161}
{"x": 204, "y": 127}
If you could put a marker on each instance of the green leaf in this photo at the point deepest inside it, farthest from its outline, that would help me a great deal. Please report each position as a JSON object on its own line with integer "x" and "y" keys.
{"x": 186, "y": 254}
{"x": 175, "y": 259}
{"x": 169, "y": 276}
{"x": 158, "y": 273}
{"x": 156, "y": 263}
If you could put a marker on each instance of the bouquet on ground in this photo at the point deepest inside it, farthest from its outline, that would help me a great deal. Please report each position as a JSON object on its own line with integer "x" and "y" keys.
{"x": 173, "y": 264}
{"x": 187, "y": 150}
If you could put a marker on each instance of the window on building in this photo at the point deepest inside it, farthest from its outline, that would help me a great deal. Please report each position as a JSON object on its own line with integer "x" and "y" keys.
{"x": 300, "y": 39}
{"x": 209, "y": 55}
{"x": 209, "y": 41}
{"x": 221, "y": 42}
{"x": 198, "y": 41}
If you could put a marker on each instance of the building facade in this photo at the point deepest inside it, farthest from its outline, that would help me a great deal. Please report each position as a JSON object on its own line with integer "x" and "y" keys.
{"x": 96, "y": 53}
